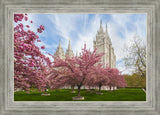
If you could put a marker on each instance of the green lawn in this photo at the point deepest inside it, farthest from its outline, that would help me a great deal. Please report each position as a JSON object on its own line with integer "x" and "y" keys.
{"x": 123, "y": 94}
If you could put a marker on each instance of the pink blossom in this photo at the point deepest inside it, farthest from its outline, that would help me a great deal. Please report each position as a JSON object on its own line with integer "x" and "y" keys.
{"x": 25, "y": 18}
{"x": 38, "y": 40}
{"x": 42, "y": 47}
{"x": 18, "y": 17}
{"x": 27, "y": 26}
{"x": 40, "y": 29}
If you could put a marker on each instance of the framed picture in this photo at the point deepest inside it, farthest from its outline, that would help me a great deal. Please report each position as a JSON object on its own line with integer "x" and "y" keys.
{"x": 68, "y": 12}
{"x": 104, "y": 73}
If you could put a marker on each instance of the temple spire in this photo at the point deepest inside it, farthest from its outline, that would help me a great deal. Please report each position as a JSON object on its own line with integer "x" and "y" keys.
{"x": 106, "y": 26}
{"x": 107, "y": 31}
{"x": 101, "y": 28}
{"x": 69, "y": 44}
{"x": 59, "y": 51}
{"x": 100, "y": 23}
{"x": 69, "y": 51}
{"x": 59, "y": 43}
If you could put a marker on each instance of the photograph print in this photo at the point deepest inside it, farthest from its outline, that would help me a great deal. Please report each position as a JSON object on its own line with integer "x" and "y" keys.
{"x": 80, "y": 57}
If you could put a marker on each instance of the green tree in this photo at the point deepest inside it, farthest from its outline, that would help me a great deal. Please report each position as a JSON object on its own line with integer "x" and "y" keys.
{"x": 136, "y": 60}
{"x": 135, "y": 81}
{"x": 136, "y": 56}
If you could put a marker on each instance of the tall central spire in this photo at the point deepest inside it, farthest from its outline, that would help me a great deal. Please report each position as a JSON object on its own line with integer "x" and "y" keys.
{"x": 69, "y": 44}
{"x": 100, "y": 23}
{"x": 59, "y": 43}
{"x": 101, "y": 28}
{"x": 106, "y": 28}
{"x": 59, "y": 51}
{"x": 107, "y": 31}
{"x": 69, "y": 51}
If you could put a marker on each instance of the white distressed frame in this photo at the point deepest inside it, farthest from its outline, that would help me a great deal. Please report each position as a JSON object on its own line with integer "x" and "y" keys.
{"x": 149, "y": 107}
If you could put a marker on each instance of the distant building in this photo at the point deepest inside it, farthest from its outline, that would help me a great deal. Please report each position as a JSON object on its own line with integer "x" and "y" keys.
{"x": 104, "y": 45}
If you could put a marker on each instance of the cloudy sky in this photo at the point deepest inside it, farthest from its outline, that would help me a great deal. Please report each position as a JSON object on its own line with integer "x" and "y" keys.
{"x": 81, "y": 28}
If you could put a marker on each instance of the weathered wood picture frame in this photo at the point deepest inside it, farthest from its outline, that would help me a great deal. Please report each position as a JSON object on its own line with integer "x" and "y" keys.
{"x": 149, "y": 107}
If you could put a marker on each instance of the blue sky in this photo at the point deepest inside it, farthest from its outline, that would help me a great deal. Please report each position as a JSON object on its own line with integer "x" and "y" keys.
{"x": 81, "y": 28}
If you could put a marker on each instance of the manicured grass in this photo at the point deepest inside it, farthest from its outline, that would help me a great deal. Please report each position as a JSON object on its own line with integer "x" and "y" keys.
{"x": 123, "y": 94}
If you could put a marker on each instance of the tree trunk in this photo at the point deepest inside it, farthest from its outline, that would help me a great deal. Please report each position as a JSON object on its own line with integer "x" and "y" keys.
{"x": 113, "y": 88}
{"x": 72, "y": 88}
{"x": 100, "y": 88}
{"x": 110, "y": 87}
{"x": 79, "y": 88}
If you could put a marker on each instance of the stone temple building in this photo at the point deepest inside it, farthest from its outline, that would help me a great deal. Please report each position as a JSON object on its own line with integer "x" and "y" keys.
{"x": 102, "y": 43}
{"x": 60, "y": 51}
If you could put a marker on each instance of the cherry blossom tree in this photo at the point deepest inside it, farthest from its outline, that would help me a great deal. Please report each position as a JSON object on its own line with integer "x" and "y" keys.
{"x": 98, "y": 76}
{"x": 30, "y": 65}
{"x": 105, "y": 76}
{"x": 58, "y": 78}
{"x": 77, "y": 68}
{"x": 115, "y": 78}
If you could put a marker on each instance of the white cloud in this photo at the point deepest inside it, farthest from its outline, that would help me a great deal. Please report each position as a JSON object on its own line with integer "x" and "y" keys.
{"x": 64, "y": 25}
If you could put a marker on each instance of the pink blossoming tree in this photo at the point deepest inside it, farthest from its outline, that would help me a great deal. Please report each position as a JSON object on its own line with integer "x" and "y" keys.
{"x": 115, "y": 78}
{"x": 98, "y": 77}
{"x": 30, "y": 65}
{"x": 77, "y": 68}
